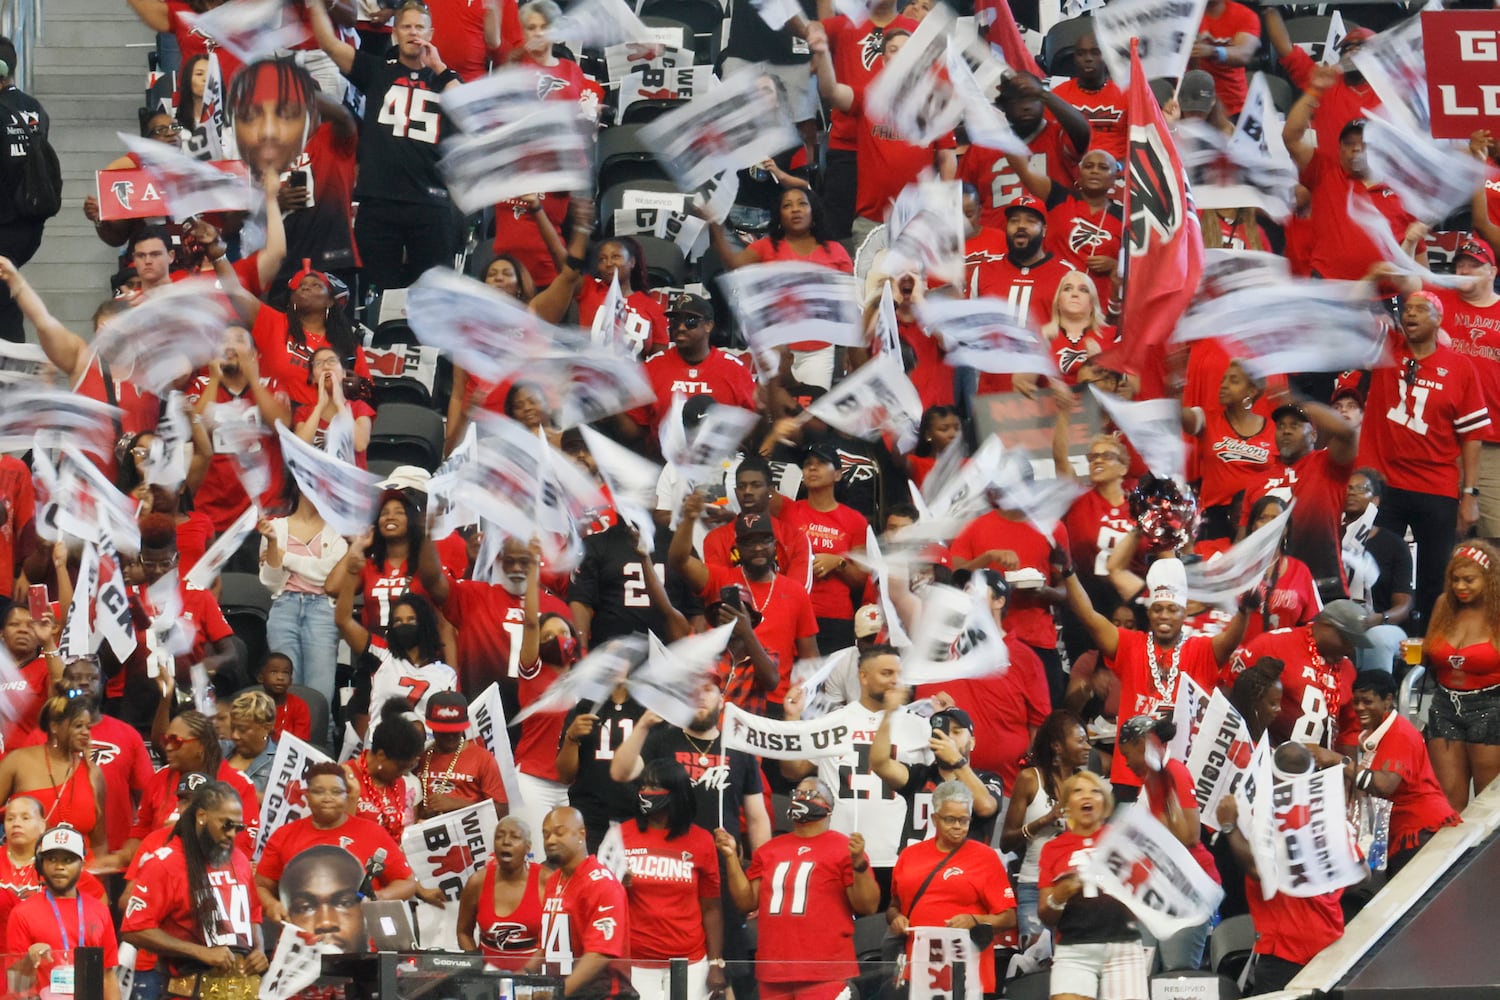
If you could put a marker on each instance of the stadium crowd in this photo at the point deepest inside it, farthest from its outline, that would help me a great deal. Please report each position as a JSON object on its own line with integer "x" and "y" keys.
{"x": 136, "y": 769}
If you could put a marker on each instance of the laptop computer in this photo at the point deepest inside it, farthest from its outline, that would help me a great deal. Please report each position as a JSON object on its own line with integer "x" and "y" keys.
{"x": 388, "y": 922}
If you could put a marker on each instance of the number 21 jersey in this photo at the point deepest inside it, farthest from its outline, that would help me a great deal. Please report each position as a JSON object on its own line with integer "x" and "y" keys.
{"x": 398, "y": 144}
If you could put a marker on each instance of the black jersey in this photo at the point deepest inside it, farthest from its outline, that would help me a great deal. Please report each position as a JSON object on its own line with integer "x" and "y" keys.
{"x": 398, "y": 143}
{"x": 593, "y": 793}
{"x": 611, "y": 579}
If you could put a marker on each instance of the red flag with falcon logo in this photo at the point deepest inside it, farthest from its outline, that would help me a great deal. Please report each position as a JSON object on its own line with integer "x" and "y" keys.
{"x": 1164, "y": 247}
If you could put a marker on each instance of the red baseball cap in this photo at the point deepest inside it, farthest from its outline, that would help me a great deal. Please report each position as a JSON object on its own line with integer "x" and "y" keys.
{"x": 1029, "y": 202}
{"x": 1478, "y": 249}
{"x": 1354, "y": 36}
{"x": 336, "y": 288}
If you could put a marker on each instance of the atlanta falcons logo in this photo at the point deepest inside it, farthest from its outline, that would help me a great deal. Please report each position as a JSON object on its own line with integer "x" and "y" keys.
{"x": 122, "y": 190}
{"x": 1070, "y": 358}
{"x": 874, "y": 42}
{"x": 546, "y": 84}
{"x": 1085, "y": 237}
{"x": 1155, "y": 189}
{"x": 1103, "y": 114}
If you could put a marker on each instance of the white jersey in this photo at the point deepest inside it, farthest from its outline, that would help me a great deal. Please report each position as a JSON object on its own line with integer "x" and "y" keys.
{"x": 865, "y": 804}
{"x": 400, "y": 678}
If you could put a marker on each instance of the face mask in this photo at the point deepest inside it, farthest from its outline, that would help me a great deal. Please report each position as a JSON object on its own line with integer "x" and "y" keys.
{"x": 401, "y": 637}
{"x": 557, "y": 651}
{"x": 652, "y": 803}
{"x": 807, "y": 810}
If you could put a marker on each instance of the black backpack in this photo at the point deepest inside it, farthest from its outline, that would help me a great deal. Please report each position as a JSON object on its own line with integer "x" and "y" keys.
{"x": 39, "y": 184}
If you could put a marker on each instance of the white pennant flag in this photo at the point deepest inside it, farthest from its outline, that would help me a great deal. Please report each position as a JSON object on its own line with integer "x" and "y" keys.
{"x": 251, "y": 29}
{"x": 611, "y": 852}
{"x": 89, "y": 506}
{"x": 79, "y": 639}
{"x": 983, "y": 122}
{"x": 172, "y": 334}
{"x": 1314, "y": 849}
{"x": 715, "y": 441}
{"x": 880, "y": 569}
{"x": 296, "y": 964}
{"x": 206, "y": 570}
{"x": 1153, "y": 427}
{"x": 1187, "y": 714}
{"x": 246, "y": 440}
{"x": 112, "y": 617}
{"x": 487, "y": 725}
{"x": 962, "y": 498}
{"x": 787, "y": 301}
{"x": 987, "y": 335}
{"x": 738, "y": 125}
{"x": 1219, "y": 758}
{"x": 1141, "y": 863}
{"x": 1432, "y": 179}
{"x": 875, "y": 398}
{"x": 167, "y": 458}
{"x": 929, "y": 237}
{"x": 955, "y": 637}
{"x": 812, "y": 677}
{"x": 1394, "y": 64}
{"x": 188, "y": 186}
{"x": 669, "y": 680}
{"x": 1166, "y": 31}
{"x": 344, "y": 494}
{"x": 1257, "y": 802}
{"x": 502, "y": 97}
{"x": 591, "y": 679}
{"x": 887, "y": 330}
{"x": 285, "y": 799}
{"x": 1222, "y": 579}
{"x": 609, "y": 322}
{"x": 547, "y": 151}
{"x": 601, "y": 23}
{"x": 445, "y": 514}
{"x": 1043, "y": 501}
{"x": 1336, "y": 33}
{"x": 631, "y": 480}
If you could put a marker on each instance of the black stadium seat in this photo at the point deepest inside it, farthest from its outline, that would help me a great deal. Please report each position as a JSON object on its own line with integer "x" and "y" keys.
{"x": 407, "y": 435}
{"x": 1061, "y": 38}
{"x": 246, "y": 604}
{"x": 624, "y": 157}
{"x": 664, "y": 262}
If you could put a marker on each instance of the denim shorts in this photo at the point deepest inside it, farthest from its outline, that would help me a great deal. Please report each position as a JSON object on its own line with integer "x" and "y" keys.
{"x": 1465, "y": 716}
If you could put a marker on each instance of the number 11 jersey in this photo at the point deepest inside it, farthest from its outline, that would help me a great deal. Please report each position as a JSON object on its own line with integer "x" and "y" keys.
{"x": 806, "y": 920}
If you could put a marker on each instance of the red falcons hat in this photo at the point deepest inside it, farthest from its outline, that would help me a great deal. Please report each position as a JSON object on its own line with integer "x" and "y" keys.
{"x": 1478, "y": 249}
{"x": 1355, "y": 36}
{"x": 448, "y": 712}
{"x": 1030, "y": 203}
{"x": 336, "y": 288}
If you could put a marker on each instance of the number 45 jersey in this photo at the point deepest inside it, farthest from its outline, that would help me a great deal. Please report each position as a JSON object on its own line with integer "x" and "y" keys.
{"x": 398, "y": 145}
{"x": 806, "y": 922}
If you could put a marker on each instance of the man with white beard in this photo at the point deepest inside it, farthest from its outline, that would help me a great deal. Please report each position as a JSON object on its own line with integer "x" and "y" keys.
{"x": 489, "y": 617}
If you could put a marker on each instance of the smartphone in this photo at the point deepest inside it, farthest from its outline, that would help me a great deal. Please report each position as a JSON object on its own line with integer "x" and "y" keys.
{"x": 297, "y": 179}
{"x": 36, "y": 596}
{"x": 730, "y": 595}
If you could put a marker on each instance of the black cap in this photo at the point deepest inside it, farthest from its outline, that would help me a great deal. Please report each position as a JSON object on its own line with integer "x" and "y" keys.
{"x": 694, "y": 305}
{"x": 1138, "y": 727}
{"x": 188, "y": 783}
{"x": 752, "y": 525}
{"x": 1288, "y": 410}
{"x": 941, "y": 720}
{"x": 823, "y": 451}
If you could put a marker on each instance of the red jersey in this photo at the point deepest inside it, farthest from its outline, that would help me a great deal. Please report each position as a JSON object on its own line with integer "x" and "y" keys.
{"x": 793, "y": 551}
{"x": 1340, "y": 248}
{"x": 1105, "y": 109}
{"x": 64, "y": 924}
{"x": 1419, "y": 805}
{"x": 1339, "y": 105}
{"x": 293, "y": 716}
{"x": 836, "y": 532}
{"x": 1029, "y": 290}
{"x": 18, "y": 506}
{"x": 786, "y": 615}
{"x": 357, "y": 409}
{"x": 855, "y": 49}
{"x": 489, "y": 622}
{"x": 1474, "y": 332}
{"x": 382, "y": 584}
{"x": 1418, "y": 415}
{"x": 1070, "y": 354}
{"x": 586, "y": 912}
{"x": 458, "y": 33}
{"x": 724, "y": 376}
{"x": 536, "y": 750}
{"x": 324, "y": 230}
{"x": 286, "y": 361}
{"x": 886, "y": 164}
{"x": 645, "y": 320}
{"x": 516, "y": 233}
{"x": 1095, "y": 526}
{"x": 221, "y": 497}
{"x": 804, "y": 908}
{"x": 1230, "y": 82}
{"x": 972, "y": 881}
{"x": 1006, "y": 709}
{"x": 1026, "y": 616}
{"x": 1076, "y": 232}
{"x": 1052, "y": 153}
{"x": 359, "y": 836}
{"x": 987, "y": 246}
{"x": 508, "y": 940}
{"x": 161, "y": 898}
{"x": 141, "y": 409}
{"x": 931, "y": 375}
{"x": 1319, "y": 485}
{"x": 118, "y": 750}
{"x": 1317, "y": 697}
{"x": 1288, "y": 599}
{"x": 1231, "y": 464}
{"x": 1176, "y": 773}
{"x": 1144, "y": 690}
{"x": 1294, "y": 928}
{"x": 159, "y": 804}
{"x": 668, "y": 879}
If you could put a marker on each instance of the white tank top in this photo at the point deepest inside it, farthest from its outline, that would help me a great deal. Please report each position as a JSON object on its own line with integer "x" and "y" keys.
{"x": 1039, "y": 806}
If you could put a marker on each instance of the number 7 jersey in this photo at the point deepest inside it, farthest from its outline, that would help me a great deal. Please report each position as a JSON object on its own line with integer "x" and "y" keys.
{"x": 398, "y": 143}
{"x": 806, "y": 921}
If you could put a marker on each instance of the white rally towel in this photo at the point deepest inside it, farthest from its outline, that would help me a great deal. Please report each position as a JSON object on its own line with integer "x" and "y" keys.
{"x": 206, "y": 570}
{"x": 876, "y": 398}
{"x": 631, "y": 480}
{"x": 502, "y": 97}
{"x": 344, "y": 494}
{"x": 1138, "y": 861}
{"x": 1221, "y": 580}
{"x": 1394, "y": 64}
{"x": 600, "y": 23}
{"x": 808, "y": 739}
{"x": 955, "y": 637}
{"x": 1432, "y": 178}
{"x": 296, "y": 964}
{"x": 591, "y": 679}
{"x": 669, "y": 680}
{"x": 549, "y": 150}
{"x": 286, "y": 793}
{"x": 170, "y": 335}
{"x": 787, "y": 301}
{"x": 251, "y": 29}
{"x": 1154, "y": 429}
{"x": 59, "y": 414}
{"x": 985, "y": 334}
{"x": 1167, "y": 30}
{"x": 926, "y": 229}
{"x": 732, "y": 127}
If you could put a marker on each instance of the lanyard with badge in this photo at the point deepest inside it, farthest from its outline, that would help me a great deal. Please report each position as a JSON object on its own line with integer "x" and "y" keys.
{"x": 62, "y": 973}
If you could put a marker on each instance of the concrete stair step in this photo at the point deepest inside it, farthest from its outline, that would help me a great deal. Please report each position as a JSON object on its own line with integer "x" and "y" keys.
{"x": 96, "y": 109}
{"x": 86, "y": 31}
{"x": 126, "y": 58}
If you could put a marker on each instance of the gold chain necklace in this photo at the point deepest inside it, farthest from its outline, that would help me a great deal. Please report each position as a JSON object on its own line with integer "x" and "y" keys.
{"x": 444, "y": 786}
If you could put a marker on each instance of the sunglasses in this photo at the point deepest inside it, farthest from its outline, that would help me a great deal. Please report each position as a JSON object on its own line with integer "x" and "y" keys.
{"x": 232, "y": 826}
{"x": 172, "y": 741}
{"x": 686, "y": 322}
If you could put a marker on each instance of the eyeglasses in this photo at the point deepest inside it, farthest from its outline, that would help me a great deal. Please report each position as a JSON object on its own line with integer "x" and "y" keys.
{"x": 686, "y": 322}
{"x": 162, "y": 131}
{"x": 172, "y": 741}
{"x": 953, "y": 820}
{"x": 1103, "y": 456}
{"x": 1358, "y": 488}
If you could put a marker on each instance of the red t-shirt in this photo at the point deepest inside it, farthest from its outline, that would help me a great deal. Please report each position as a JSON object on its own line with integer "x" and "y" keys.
{"x": 829, "y": 255}
{"x": 516, "y": 233}
{"x": 1005, "y": 708}
{"x": 1052, "y": 153}
{"x": 930, "y": 375}
{"x": 586, "y": 912}
{"x": 645, "y": 320}
{"x": 793, "y": 551}
{"x": 536, "y": 750}
{"x": 194, "y": 535}
{"x": 836, "y": 531}
{"x": 221, "y": 498}
{"x": 359, "y": 836}
{"x": 1319, "y": 485}
{"x": 1292, "y": 601}
{"x": 1339, "y": 105}
{"x": 1293, "y": 928}
{"x": 192, "y": 43}
{"x": 1229, "y": 463}
{"x": 668, "y": 878}
{"x": 141, "y": 409}
{"x": 34, "y": 922}
{"x": 1182, "y": 788}
{"x": 118, "y": 751}
{"x": 489, "y": 622}
{"x": 162, "y": 899}
{"x": 293, "y": 716}
{"x": 724, "y": 376}
{"x": 1230, "y": 82}
{"x": 1026, "y": 616}
{"x": 1340, "y": 248}
{"x": 1420, "y": 804}
{"x": 1474, "y": 332}
{"x": 458, "y": 33}
{"x": 1316, "y": 696}
{"x": 159, "y": 804}
{"x": 886, "y": 164}
{"x": 287, "y": 362}
{"x": 855, "y": 49}
{"x": 804, "y": 908}
{"x": 1141, "y": 694}
{"x": 18, "y": 505}
{"x": 1414, "y": 435}
{"x": 1105, "y": 110}
{"x": 357, "y": 408}
{"x": 1095, "y": 526}
{"x": 786, "y": 615}
{"x": 474, "y": 775}
{"x": 973, "y": 881}
{"x": 330, "y": 161}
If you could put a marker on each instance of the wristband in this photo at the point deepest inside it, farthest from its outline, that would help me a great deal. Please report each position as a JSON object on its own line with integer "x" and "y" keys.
{"x": 717, "y": 963}
{"x": 1055, "y": 906}
{"x": 1220, "y": 54}
{"x": 1470, "y": 491}
{"x": 446, "y": 77}
{"x": 576, "y": 263}
{"x": 1363, "y": 779}
{"x": 862, "y": 867}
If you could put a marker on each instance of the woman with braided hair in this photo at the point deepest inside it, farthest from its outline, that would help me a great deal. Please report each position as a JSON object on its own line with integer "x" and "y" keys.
{"x": 195, "y": 904}
{"x": 1256, "y": 694}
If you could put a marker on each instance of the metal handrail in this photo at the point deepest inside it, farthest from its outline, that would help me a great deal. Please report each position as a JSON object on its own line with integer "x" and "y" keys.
{"x": 21, "y": 22}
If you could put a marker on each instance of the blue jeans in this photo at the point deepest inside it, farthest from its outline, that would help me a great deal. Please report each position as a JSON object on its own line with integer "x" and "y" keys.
{"x": 1183, "y": 950}
{"x": 149, "y": 985}
{"x": 301, "y": 626}
{"x": 1027, "y": 898}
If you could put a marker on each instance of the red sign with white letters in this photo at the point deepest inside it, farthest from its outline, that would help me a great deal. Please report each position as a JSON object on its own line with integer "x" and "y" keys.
{"x": 130, "y": 193}
{"x": 1462, "y": 49}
